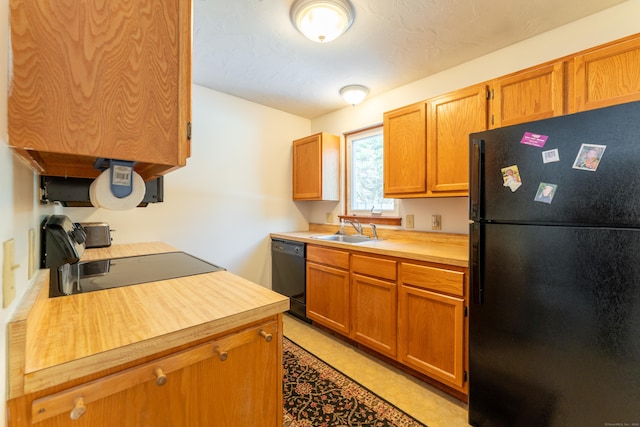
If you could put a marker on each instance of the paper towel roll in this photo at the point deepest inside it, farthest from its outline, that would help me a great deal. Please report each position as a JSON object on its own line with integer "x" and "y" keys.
{"x": 101, "y": 196}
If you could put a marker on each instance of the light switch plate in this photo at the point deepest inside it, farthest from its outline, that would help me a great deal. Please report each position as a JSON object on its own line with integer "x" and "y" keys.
{"x": 436, "y": 222}
{"x": 8, "y": 275}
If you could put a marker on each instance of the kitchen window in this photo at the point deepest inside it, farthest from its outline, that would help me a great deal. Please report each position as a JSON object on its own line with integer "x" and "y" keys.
{"x": 364, "y": 175}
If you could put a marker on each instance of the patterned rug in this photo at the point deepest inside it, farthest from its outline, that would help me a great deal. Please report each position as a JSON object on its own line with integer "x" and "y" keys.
{"x": 315, "y": 394}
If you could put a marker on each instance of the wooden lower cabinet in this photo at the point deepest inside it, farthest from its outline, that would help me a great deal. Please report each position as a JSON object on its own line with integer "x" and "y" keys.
{"x": 231, "y": 380}
{"x": 328, "y": 288}
{"x": 374, "y": 306}
{"x": 432, "y": 323}
{"x": 411, "y": 312}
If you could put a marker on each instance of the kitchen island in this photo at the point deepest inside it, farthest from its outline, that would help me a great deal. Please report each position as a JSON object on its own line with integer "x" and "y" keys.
{"x": 197, "y": 350}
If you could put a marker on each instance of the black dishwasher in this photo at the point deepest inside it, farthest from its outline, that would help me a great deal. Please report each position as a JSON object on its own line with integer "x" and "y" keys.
{"x": 288, "y": 274}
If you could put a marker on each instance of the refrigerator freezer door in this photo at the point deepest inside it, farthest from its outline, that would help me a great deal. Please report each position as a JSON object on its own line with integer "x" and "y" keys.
{"x": 610, "y": 195}
{"x": 556, "y": 339}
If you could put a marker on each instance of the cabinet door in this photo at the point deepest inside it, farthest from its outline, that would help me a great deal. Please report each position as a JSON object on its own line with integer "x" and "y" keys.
{"x": 529, "y": 95}
{"x": 374, "y": 313}
{"x": 430, "y": 334}
{"x": 328, "y": 296}
{"x": 222, "y": 383}
{"x": 608, "y": 76}
{"x": 405, "y": 152}
{"x": 95, "y": 79}
{"x": 316, "y": 167}
{"x": 450, "y": 120}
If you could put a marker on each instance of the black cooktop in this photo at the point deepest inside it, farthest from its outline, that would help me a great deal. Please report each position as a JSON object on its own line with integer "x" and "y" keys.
{"x": 117, "y": 272}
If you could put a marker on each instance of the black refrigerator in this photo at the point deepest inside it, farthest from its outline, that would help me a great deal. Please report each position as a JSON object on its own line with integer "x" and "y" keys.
{"x": 554, "y": 319}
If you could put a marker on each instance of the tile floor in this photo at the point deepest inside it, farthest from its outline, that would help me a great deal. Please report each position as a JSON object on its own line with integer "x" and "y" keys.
{"x": 428, "y": 405}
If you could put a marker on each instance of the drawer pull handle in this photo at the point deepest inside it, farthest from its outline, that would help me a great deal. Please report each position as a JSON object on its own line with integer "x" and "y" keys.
{"x": 78, "y": 409}
{"x": 221, "y": 354}
{"x": 161, "y": 378}
{"x": 266, "y": 335}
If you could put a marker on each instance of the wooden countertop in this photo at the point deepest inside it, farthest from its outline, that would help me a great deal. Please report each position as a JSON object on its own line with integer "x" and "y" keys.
{"x": 450, "y": 249}
{"x": 54, "y": 340}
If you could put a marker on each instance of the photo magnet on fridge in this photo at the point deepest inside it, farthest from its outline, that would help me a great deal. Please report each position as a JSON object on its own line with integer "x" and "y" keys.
{"x": 550, "y": 156}
{"x": 545, "y": 192}
{"x": 511, "y": 177}
{"x": 589, "y": 157}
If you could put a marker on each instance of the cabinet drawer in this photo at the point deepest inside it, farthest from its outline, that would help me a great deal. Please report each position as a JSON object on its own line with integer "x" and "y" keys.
{"x": 436, "y": 279}
{"x": 376, "y": 267}
{"x": 328, "y": 256}
{"x": 73, "y": 400}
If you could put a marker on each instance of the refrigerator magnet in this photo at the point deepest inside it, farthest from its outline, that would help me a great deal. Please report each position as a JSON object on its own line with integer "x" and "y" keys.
{"x": 589, "y": 157}
{"x": 511, "y": 177}
{"x": 550, "y": 156}
{"x": 534, "y": 139}
{"x": 545, "y": 192}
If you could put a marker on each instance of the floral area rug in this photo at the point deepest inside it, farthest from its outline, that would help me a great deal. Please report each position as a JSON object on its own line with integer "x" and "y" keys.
{"x": 315, "y": 394}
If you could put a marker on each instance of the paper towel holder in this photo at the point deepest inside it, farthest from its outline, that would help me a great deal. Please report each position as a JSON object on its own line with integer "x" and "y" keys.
{"x": 121, "y": 175}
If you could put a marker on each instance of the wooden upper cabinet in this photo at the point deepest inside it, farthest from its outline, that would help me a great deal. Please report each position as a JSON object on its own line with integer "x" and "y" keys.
{"x": 529, "y": 95}
{"x": 450, "y": 120}
{"x": 100, "y": 80}
{"x": 316, "y": 167}
{"x": 608, "y": 75}
{"x": 405, "y": 152}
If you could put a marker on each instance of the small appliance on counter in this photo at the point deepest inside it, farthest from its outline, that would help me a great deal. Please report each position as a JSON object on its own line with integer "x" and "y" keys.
{"x": 64, "y": 242}
{"x": 98, "y": 234}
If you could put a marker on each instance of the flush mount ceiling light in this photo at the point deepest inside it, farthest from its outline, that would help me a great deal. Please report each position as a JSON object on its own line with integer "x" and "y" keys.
{"x": 354, "y": 94}
{"x": 322, "y": 20}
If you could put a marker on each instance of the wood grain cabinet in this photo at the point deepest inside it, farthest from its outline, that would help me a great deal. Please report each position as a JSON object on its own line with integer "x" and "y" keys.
{"x": 405, "y": 152}
{"x": 432, "y": 322}
{"x": 100, "y": 80}
{"x": 328, "y": 288}
{"x": 534, "y": 94}
{"x": 450, "y": 120}
{"x": 426, "y": 145}
{"x": 316, "y": 167}
{"x": 374, "y": 302}
{"x": 225, "y": 382}
{"x": 608, "y": 75}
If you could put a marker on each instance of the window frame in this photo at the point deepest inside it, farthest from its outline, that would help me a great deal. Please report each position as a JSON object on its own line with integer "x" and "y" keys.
{"x": 388, "y": 217}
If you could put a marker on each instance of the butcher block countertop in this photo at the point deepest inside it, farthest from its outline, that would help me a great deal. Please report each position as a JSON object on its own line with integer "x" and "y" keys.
{"x": 55, "y": 340}
{"x": 442, "y": 248}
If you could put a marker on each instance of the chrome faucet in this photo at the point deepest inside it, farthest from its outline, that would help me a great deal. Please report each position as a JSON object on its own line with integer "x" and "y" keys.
{"x": 355, "y": 224}
{"x": 375, "y": 232}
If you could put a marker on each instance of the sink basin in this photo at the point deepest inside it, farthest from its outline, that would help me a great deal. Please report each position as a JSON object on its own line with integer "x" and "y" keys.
{"x": 344, "y": 238}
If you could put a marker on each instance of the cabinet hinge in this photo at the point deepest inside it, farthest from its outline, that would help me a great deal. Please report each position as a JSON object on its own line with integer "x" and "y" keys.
{"x": 464, "y": 376}
{"x": 189, "y": 130}
{"x": 466, "y": 311}
{"x": 492, "y": 119}
{"x": 489, "y": 93}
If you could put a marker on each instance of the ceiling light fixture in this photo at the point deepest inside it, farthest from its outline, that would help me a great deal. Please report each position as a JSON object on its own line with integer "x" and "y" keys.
{"x": 322, "y": 20}
{"x": 354, "y": 94}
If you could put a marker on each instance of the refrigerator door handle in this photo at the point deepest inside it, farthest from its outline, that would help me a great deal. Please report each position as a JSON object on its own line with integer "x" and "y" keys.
{"x": 477, "y": 287}
{"x": 477, "y": 148}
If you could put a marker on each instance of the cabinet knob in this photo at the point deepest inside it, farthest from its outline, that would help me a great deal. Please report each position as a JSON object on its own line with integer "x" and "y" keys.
{"x": 221, "y": 354}
{"x": 266, "y": 335}
{"x": 78, "y": 409}
{"x": 161, "y": 378}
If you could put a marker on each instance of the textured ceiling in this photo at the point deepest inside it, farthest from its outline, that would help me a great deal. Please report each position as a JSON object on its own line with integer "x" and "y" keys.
{"x": 250, "y": 49}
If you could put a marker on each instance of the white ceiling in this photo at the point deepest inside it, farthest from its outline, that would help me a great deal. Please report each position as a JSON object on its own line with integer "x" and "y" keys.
{"x": 250, "y": 49}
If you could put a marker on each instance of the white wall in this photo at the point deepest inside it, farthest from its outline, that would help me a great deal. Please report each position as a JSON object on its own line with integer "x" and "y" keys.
{"x": 611, "y": 24}
{"x": 234, "y": 191}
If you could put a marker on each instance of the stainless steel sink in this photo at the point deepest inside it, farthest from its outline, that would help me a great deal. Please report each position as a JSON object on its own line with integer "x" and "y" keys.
{"x": 344, "y": 238}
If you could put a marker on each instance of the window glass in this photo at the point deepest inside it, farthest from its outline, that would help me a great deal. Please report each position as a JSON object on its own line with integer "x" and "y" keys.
{"x": 365, "y": 174}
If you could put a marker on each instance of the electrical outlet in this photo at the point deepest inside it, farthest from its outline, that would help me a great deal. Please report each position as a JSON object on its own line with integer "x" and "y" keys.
{"x": 8, "y": 275}
{"x": 329, "y": 219}
{"x": 409, "y": 223}
{"x": 436, "y": 222}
